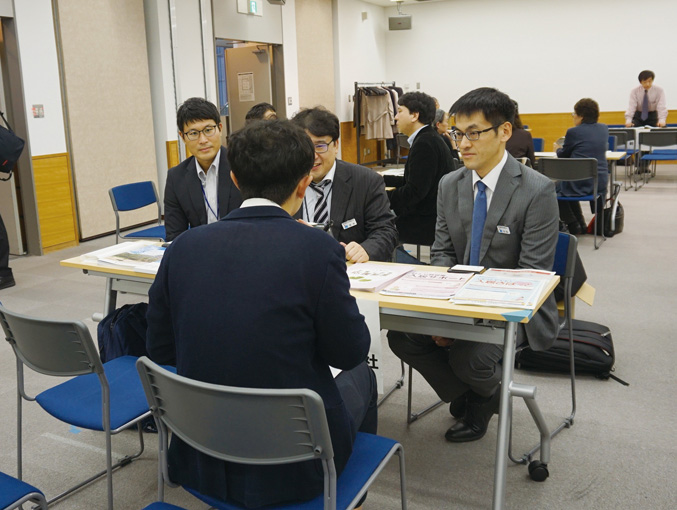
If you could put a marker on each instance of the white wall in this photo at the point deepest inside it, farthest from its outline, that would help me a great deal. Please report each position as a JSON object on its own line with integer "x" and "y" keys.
{"x": 359, "y": 50}
{"x": 230, "y": 24}
{"x": 40, "y": 72}
{"x": 546, "y": 55}
{"x": 291, "y": 65}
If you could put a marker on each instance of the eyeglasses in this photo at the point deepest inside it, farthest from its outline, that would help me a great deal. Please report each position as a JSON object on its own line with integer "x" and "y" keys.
{"x": 473, "y": 136}
{"x": 194, "y": 134}
{"x": 321, "y": 148}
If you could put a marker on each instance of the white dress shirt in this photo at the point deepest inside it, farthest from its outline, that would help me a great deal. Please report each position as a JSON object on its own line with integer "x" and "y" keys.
{"x": 210, "y": 187}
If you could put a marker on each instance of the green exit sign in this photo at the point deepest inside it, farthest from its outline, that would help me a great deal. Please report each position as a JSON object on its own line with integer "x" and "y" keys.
{"x": 253, "y": 7}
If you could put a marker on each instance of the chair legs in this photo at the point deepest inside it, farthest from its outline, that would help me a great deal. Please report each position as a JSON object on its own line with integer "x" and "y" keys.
{"x": 398, "y": 384}
{"x": 412, "y": 417}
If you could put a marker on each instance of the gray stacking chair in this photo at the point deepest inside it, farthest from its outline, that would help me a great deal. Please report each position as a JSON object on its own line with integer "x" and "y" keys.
{"x": 233, "y": 424}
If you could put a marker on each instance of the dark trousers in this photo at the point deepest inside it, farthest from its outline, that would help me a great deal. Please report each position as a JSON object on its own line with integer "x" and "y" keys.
{"x": 451, "y": 371}
{"x": 358, "y": 391}
{"x": 571, "y": 212}
{"x": 4, "y": 251}
{"x": 652, "y": 120}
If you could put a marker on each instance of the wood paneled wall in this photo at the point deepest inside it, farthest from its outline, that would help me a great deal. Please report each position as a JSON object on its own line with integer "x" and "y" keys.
{"x": 56, "y": 203}
{"x": 173, "y": 157}
{"x": 348, "y": 142}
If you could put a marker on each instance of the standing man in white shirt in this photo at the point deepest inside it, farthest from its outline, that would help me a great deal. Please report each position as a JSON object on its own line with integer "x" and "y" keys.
{"x": 647, "y": 103}
{"x": 199, "y": 190}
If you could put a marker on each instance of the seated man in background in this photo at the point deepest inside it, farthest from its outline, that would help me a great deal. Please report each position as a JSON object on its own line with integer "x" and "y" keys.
{"x": 267, "y": 306}
{"x": 441, "y": 125}
{"x": 199, "y": 190}
{"x": 349, "y": 199}
{"x": 493, "y": 212}
{"x": 261, "y": 111}
{"x": 415, "y": 195}
{"x": 647, "y": 106}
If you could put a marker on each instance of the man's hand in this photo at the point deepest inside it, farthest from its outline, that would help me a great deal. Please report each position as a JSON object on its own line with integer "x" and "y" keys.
{"x": 628, "y": 124}
{"x": 304, "y": 222}
{"x": 661, "y": 123}
{"x": 440, "y": 341}
{"x": 355, "y": 252}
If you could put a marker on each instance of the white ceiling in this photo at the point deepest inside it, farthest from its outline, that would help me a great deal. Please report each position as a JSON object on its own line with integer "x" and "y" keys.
{"x": 389, "y": 3}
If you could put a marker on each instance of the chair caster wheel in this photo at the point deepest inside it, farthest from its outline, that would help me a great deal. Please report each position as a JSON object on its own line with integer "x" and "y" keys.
{"x": 538, "y": 471}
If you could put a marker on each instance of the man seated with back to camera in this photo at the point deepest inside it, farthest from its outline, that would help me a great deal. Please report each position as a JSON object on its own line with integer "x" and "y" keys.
{"x": 349, "y": 199}
{"x": 268, "y": 306}
{"x": 199, "y": 190}
{"x": 260, "y": 111}
{"x": 493, "y": 212}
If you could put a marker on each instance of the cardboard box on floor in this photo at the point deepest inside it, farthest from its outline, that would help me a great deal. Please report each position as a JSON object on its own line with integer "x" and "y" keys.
{"x": 586, "y": 294}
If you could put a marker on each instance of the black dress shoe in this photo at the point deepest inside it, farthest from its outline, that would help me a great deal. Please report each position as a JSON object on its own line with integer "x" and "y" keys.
{"x": 457, "y": 407}
{"x": 474, "y": 424}
{"x": 7, "y": 282}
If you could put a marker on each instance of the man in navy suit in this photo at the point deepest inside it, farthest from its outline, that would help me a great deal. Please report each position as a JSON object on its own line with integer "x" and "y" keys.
{"x": 260, "y": 300}
{"x": 199, "y": 190}
{"x": 350, "y": 199}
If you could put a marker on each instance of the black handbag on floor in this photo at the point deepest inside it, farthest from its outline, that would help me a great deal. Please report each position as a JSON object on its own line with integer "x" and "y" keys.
{"x": 11, "y": 147}
{"x": 593, "y": 352}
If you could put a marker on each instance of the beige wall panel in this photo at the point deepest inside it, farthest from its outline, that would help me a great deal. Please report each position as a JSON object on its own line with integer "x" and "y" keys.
{"x": 108, "y": 105}
{"x": 315, "y": 40}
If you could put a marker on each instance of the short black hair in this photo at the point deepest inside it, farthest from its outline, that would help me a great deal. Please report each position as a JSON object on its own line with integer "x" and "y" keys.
{"x": 588, "y": 109}
{"x": 496, "y": 106}
{"x": 421, "y": 103}
{"x": 319, "y": 122}
{"x": 195, "y": 109}
{"x": 270, "y": 158}
{"x": 257, "y": 112}
{"x": 645, "y": 75}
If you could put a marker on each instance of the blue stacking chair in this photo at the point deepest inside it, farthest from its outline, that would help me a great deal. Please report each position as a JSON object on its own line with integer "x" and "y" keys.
{"x": 538, "y": 144}
{"x": 14, "y": 493}
{"x": 658, "y": 138}
{"x": 129, "y": 197}
{"x": 576, "y": 169}
{"x": 233, "y": 424}
{"x": 623, "y": 139}
{"x": 106, "y": 397}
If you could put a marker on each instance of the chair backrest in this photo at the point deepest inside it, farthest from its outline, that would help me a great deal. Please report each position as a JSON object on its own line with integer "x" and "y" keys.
{"x": 658, "y": 138}
{"x": 565, "y": 255}
{"x": 254, "y": 426}
{"x": 613, "y": 141}
{"x": 568, "y": 169}
{"x": 621, "y": 138}
{"x": 538, "y": 144}
{"x": 128, "y": 197}
{"x": 456, "y": 164}
{"x": 51, "y": 347}
{"x": 402, "y": 140}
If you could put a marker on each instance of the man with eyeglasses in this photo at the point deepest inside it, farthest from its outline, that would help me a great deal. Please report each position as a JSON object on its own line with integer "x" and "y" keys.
{"x": 493, "y": 212}
{"x": 199, "y": 190}
{"x": 349, "y": 200}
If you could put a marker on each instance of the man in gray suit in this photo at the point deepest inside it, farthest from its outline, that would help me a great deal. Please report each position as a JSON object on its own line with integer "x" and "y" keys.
{"x": 350, "y": 200}
{"x": 518, "y": 209}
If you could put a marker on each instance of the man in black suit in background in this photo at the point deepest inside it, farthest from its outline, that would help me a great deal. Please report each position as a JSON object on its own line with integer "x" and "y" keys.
{"x": 414, "y": 199}
{"x": 199, "y": 190}
{"x": 350, "y": 199}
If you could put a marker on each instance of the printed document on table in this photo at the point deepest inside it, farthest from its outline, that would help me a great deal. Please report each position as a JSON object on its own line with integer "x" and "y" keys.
{"x": 140, "y": 256}
{"x": 509, "y": 288}
{"x": 373, "y": 277}
{"x": 427, "y": 284}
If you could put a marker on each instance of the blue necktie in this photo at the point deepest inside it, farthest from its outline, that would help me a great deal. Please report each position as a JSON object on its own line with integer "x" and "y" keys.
{"x": 479, "y": 216}
{"x": 645, "y": 105}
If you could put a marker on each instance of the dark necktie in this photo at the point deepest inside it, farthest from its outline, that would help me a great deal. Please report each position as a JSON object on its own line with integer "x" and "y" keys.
{"x": 645, "y": 105}
{"x": 479, "y": 216}
{"x": 321, "y": 210}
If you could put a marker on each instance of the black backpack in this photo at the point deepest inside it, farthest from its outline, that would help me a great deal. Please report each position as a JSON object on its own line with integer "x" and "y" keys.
{"x": 593, "y": 352}
{"x": 123, "y": 332}
{"x": 11, "y": 147}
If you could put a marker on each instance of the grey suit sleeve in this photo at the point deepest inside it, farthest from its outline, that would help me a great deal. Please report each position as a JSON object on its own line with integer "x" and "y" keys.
{"x": 442, "y": 252}
{"x": 379, "y": 222}
{"x": 176, "y": 220}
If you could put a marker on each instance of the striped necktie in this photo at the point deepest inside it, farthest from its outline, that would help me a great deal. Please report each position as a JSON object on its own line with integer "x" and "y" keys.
{"x": 321, "y": 210}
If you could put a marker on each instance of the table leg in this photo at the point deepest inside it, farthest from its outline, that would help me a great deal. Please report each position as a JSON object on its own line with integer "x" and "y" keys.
{"x": 110, "y": 298}
{"x": 504, "y": 418}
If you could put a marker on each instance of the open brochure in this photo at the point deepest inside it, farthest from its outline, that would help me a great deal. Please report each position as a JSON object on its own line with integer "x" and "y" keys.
{"x": 139, "y": 256}
{"x": 427, "y": 284}
{"x": 373, "y": 277}
{"x": 508, "y": 288}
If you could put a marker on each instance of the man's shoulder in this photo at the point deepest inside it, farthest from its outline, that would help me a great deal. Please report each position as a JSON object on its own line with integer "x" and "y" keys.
{"x": 354, "y": 170}
{"x": 182, "y": 167}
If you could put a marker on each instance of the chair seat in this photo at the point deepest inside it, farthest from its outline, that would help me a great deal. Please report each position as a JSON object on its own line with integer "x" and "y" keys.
{"x": 162, "y": 506}
{"x": 582, "y": 198}
{"x": 660, "y": 157}
{"x": 156, "y": 231}
{"x": 78, "y": 400}
{"x": 12, "y": 490}
{"x": 369, "y": 450}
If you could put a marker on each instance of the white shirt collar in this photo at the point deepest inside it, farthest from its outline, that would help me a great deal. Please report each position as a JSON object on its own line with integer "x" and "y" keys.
{"x": 491, "y": 179}
{"x": 413, "y": 135}
{"x": 214, "y": 166}
{"x": 330, "y": 174}
{"x": 255, "y": 202}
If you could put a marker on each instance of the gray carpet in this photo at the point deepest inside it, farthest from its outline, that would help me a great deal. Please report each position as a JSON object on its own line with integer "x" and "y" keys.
{"x": 620, "y": 454}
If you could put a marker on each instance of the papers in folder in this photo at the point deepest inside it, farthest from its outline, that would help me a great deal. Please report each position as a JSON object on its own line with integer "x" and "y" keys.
{"x": 427, "y": 284}
{"x": 509, "y": 288}
{"x": 139, "y": 256}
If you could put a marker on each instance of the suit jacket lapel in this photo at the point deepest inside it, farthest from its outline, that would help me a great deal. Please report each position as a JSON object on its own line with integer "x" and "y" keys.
{"x": 195, "y": 191}
{"x": 340, "y": 195}
{"x": 505, "y": 187}
{"x": 466, "y": 202}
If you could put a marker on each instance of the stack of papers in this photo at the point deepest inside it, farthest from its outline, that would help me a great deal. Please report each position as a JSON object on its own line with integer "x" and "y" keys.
{"x": 508, "y": 288}
{"x": 139, "y": 256}
{"x": 427, "y": 284}
{"x": 374, "y": 277}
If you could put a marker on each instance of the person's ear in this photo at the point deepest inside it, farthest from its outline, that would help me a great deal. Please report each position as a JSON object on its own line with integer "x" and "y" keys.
{"x": 505, "y": 131}
{"x": 302, "y": 186}
{"x": 181, "y": 136}
{"x": 234, "y": 179}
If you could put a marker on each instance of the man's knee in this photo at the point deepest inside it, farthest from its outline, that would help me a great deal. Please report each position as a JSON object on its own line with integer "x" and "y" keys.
{"x": 477, "y": 369}
{"x": 406, "y": 346}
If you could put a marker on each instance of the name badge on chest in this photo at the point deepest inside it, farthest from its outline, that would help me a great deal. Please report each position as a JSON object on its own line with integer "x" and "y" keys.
{"x": 502, "y": 230}
{"x": 348, "y": 224}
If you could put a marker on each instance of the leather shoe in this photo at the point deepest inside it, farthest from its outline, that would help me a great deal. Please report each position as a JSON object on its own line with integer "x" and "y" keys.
{"x": 457, "y": 407}
{"x": 475, "y": 423}
{"x": 7, "y": 282}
